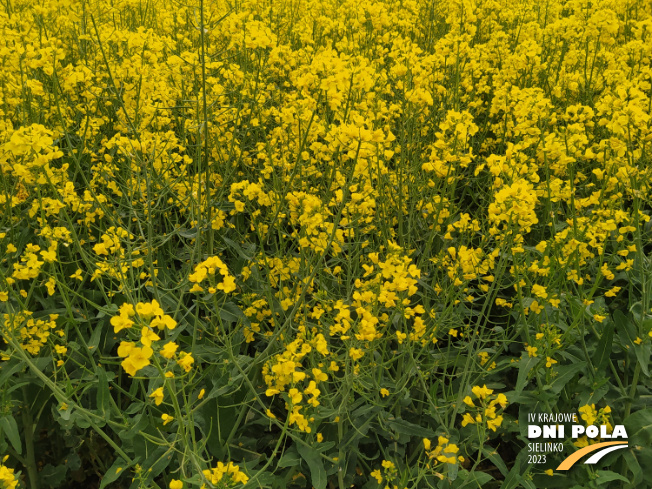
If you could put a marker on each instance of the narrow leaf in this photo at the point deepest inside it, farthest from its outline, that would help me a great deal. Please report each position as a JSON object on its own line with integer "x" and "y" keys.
{"x": 9, "y": 428}
{"x": 316, "y": 466}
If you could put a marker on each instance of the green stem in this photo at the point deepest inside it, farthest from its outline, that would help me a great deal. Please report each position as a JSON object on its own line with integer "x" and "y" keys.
{"x": 62, "y": 397}
{"x": 28, "y": 427}
{"x": 632, "y": 390}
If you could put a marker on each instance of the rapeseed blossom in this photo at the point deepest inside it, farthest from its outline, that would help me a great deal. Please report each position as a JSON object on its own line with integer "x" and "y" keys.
{"x": 323, "y": 209}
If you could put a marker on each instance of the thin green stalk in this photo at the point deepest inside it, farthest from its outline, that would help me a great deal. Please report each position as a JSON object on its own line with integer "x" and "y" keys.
{"x": 28, "y": 429}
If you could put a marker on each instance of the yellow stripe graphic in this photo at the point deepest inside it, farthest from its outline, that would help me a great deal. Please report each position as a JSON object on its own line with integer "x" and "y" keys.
{"x": 571, "y": 459}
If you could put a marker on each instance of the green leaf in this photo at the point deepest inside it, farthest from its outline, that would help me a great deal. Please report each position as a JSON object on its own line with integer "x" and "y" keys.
{"x": 232, "y": 313}
{"x": 473, "y": 479}
{"x": 116, "y": 470}
{"x": 566, "y": 373}
{"x": 187, "y": 233}
{"x": 406, "y": 428}
{"x": 9, "y": 368}
{"x": 601, "y": 389}
{"x": 73, "y": 461}
{"x": 160, "y": 459}
{"x": 103, "y": 407}
{"x": 238, "y": 249}
{"x": 9, "y": 428}
{"x": 634, "y": 467}
{"x": 495, "y": 458}
{"x": 137, "y": 423}
{"x": 514, "y": 479}
{"x": 53, "y": 476}
{"x": 603, "y": 350}
{"x": 627, "y": 334}
{"x": 453, "y": 471}
{"x": 95, "y": 340}
{"x": 605, "y": 476}
{"x": 525, "y": 366}
{"x": 644, "y": 457}
{"x": 64, "y": 413}
{"x": 639, "y": 427}
{"x": 316, "y": 466}
{"x": 290, "y": 458}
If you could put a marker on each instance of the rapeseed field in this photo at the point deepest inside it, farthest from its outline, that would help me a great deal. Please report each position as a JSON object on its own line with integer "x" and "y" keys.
{"x": 324, "y": 244}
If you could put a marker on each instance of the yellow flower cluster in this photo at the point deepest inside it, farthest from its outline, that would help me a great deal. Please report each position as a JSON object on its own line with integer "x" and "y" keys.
{"x": 148, "y": 316}
{"x": 592, "y": 416}
{"x": 8, "y": 479}
{"x": 444, "y": 452}
{"x": 388, "y": 474}
{"x": 369, "y": 173}
{"x": 32, "y": 334}
{"x": 485, "y": 412}
{"x": 207, "y": 269}
{"x": 27, "y": 156}
{"x": 286, "y": 370}
{"x": 227, "y": 475}
{"x": 149, "y": 313}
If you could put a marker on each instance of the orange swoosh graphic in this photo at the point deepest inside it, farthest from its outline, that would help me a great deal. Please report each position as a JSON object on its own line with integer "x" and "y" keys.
{"x": 571, "y": 459}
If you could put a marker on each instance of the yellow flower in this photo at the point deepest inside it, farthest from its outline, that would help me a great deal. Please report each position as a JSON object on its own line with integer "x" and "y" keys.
{"x": 125, "y": 347}
{"x": 356, "y": 353}
{"x": 166, "y": 419}
{"x": 201, "y": 394}
{"x": 492, "y": 424}
{"x": 531, "y": 351}
{"x": 581, "y": 442}
{"x": 481, "y": 392}
{"x": 137, "y": 359}
{"x": 147, "y": 336}
{"x": 51, "y": 285}
{"x": 295, "y": 396}
{"x": 319, "y": 376}
{"x": 185, "y": 361}
{"x": 77, "y": 275}
{"x": 163, "y": 322}
{"x": 7, "y": 477}
{"x": 550, "y": 362}
{"x": 500, "y": 399}
{"x": 467, "y": 419}
{"x": 589, "y": 414}
{"x": 539, "y": 291}
{"x": 384, "y": 392}
{"x": 157, "y": 395}
{"x": 120, "y": 322}
{"x": 176, "y": 484}
{"x": 148, "y": 310}
{"x": 169, "y": 350}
